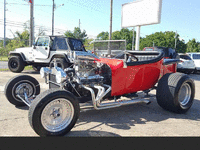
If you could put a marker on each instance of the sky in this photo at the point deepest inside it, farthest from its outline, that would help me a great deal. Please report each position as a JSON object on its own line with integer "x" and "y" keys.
{"x": 182, "y": 16}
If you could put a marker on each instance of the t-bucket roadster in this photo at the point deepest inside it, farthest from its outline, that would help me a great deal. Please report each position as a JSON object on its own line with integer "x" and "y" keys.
{"x": 99, "y": 83}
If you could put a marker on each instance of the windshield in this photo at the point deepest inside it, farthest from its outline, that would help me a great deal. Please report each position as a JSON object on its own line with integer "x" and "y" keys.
{"x": 76, "y": 45}
{"x": 196, "y": 56}
{"x": 186, "y": 57}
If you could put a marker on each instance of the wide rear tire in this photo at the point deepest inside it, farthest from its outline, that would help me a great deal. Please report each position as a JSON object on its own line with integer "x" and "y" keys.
{"x": 54, "y": 113}
{"x": 175, "y": 92}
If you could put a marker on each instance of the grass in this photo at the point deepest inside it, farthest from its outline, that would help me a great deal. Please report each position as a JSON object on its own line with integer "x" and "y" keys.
{"x": 26, "y": 68}
{"x": 3, "y": 58}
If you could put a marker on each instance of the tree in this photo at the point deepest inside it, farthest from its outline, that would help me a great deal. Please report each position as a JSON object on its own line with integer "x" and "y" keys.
{"x": 164, "y": 39}
{"x": 24, "y": 36}
{"x": 77, "y": 34}
{"x": 88, "y": 45}
{"x": 103, "y": 36}
{"x": 193, "y": 46}
{"x": 124, "y": 34}
{"x": 41, "y": 31}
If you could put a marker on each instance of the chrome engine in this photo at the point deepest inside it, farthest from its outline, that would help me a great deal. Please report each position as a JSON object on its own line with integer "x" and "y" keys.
{"x": 88, "y": 72}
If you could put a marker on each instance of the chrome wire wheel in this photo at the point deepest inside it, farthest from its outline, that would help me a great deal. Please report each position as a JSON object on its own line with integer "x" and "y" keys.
{"x": 57, "y": 115}
{"x": 184, "y": 94}
{"x": 22, "y": 88}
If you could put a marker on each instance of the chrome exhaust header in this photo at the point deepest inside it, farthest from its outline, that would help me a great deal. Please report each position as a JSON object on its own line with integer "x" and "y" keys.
{"x": 96, "y": 100}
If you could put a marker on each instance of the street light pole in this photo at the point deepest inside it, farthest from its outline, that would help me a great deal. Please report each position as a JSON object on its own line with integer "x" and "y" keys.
{"x": 53, "y": 18}
{"x": 110, "y": 34}
{"x": 31, "y": 25}
{"x": 4, "y": 39}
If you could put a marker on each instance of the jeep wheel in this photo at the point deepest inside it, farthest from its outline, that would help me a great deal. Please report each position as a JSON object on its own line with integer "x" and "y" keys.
{"x": 195, "y": 71}
{"x": 54, "y": 113}
{"x": 18, "y": 86}
{"x": 36, "y": 68}
{"x": 16, "y": 64}
{"x": 60, "y": 62}
{"x": 175, "y": 92}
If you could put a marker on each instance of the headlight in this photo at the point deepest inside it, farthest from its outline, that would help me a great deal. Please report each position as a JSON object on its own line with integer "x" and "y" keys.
{"x": 58, "y": 77}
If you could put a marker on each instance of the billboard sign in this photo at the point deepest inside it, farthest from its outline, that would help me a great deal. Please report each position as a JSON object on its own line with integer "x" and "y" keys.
{"x": 141, "y": 12}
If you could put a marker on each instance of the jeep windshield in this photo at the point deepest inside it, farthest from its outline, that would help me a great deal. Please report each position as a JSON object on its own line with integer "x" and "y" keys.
{"x": 76, "y": 45}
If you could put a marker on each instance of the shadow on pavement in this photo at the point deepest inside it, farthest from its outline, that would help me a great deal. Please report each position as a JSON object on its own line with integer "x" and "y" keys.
{"x": 126, "y": 117}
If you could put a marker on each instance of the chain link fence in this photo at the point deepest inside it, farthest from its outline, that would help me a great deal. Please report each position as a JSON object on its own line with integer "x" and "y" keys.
{"x": 101, "y": 47}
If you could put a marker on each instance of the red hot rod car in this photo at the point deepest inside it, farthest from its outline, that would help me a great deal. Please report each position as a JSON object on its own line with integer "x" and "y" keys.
{"x": 99, "y": 83}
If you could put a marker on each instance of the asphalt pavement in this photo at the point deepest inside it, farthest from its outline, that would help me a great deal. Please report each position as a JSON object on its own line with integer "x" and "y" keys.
{"x": 3, "y": 64}
{"x": 133, "y": 120}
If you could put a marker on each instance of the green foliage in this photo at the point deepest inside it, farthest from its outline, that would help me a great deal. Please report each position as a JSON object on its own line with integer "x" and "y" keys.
{"x": 21, "y": 40}
{"x": 88, "y": 45}
{"x": 124, "y": 34}
{"x": 77, "y": 34}
{"x": 103, "y": 36}
{"x": 193, "y": 46}
{"x": 165, "y": 39}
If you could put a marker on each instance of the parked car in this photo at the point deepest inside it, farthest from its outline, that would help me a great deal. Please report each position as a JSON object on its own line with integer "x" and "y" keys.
{"x": 99, "y": 83}
{"x": 196, "y": 58}
{"x": 43, "y": 51}
{"x": 186, "y": 65}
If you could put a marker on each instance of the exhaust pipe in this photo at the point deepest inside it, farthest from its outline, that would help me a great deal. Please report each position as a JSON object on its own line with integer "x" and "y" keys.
{"x": 101, "y": 93}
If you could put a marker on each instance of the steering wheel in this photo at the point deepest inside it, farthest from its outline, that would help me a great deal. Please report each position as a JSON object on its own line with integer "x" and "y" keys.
{"x": 129, "y": 54}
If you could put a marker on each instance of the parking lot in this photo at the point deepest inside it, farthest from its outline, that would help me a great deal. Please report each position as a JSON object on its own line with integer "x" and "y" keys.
{"x": 133, "y": 120}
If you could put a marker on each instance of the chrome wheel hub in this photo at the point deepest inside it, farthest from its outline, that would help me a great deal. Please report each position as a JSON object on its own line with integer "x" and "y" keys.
{"x": 57, "y": 115}
{"x": 184, "y": 94}
{"x": 23, "y": 90}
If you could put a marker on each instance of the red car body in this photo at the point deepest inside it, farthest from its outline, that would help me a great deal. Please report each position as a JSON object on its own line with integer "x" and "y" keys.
{"x": 135, "y": 78}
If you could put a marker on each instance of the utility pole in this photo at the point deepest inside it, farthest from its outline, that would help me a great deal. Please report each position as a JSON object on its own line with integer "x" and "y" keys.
{"x": 175, "y": 39}
{"x": 79, "y": 24}
{"x": 4, "y": 38}
{"x": 53, "y": 18}
{"x": 110, "y": 34}
{"x": 31, "y": 24}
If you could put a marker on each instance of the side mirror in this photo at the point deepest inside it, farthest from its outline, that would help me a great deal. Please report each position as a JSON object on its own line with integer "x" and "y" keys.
{"x": 34, "y": 44}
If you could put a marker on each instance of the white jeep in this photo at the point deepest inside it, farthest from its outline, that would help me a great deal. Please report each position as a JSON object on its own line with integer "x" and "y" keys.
{"x": 44, "y": 51}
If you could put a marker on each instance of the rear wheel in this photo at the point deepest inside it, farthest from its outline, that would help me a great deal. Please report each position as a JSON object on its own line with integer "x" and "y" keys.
{"x": 16, "y": 64}
{"x": 195, "y": 71}
{"x": 175, "y": 92}
{"x": 22, "y": 85}
{"x": 54, "y": 113}
{"x": 36, "y": 68}
{"x": 60, "y": 62}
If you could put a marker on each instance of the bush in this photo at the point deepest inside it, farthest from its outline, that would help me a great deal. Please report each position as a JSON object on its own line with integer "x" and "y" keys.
{"x": 4, "y": 52}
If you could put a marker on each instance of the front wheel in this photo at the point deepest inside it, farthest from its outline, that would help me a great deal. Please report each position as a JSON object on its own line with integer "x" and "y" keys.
{"x": 22, "y": 86}
{"x": 16, "y": 64}
{"x": 175, "y": 92}
{"x": 54, "y": 113}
